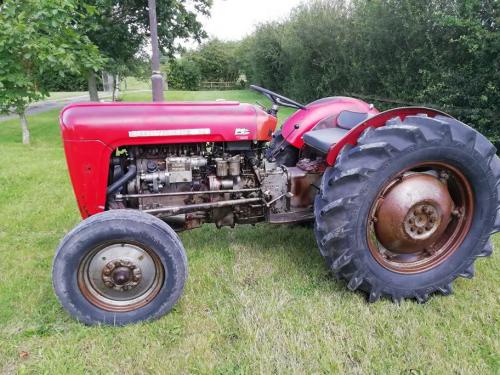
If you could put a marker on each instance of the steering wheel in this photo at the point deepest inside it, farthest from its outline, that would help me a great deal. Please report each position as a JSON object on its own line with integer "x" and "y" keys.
{"x": 277, "y": 99}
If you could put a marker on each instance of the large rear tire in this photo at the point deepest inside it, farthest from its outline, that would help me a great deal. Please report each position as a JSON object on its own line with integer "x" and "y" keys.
{"x": 410, "y": 208}
{"x": 119, "y": 267}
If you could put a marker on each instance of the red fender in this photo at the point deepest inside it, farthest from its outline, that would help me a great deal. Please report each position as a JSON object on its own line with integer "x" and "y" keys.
{"x": 377, "y": 121}
{"x": 305, "y": 120}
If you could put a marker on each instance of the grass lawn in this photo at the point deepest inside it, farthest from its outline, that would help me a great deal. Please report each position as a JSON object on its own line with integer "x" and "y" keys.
{"x": 258, "y": 299}
{"x": 132, "y": 83}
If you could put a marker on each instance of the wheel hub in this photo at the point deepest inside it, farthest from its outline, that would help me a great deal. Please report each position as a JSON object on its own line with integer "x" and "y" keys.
{"x": 121, "y": 275}
{"x": 422, "y": 221}
{"x": 413, "y": 213}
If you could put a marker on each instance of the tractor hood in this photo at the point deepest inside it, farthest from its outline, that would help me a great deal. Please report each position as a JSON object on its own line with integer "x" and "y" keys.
{"x": 119, "y": 124}
{"x": 92, "y": 131}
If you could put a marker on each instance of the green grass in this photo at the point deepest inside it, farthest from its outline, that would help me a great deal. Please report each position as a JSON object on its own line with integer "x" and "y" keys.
{"x": 132, "y": 83}
{"x": 258, "y": 299}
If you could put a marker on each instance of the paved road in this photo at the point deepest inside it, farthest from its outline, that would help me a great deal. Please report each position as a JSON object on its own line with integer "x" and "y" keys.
{"x": 48, "y": 105}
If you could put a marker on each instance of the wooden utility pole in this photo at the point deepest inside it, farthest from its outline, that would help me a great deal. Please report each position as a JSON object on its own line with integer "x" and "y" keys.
{"x": 156, "y": 77}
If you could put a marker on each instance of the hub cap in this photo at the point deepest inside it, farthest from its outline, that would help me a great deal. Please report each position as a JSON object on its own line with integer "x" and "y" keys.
{"x": 420, "y": 218}
{"x": 120, "y": 277}
{"x": 422, "y": 221}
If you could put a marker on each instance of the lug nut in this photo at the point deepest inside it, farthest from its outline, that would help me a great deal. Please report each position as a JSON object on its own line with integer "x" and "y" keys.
{"x": 444, "y": 176}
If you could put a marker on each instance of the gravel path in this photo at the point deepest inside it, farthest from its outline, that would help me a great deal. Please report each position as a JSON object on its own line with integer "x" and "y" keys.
{"x": 48, "y": 105}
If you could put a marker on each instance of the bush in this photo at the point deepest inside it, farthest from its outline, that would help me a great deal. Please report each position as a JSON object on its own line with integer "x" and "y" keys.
{"x": 217, "y": 61}
{"x": 214, "y": 61}
{"x": 184, "y": 74}
{"x": 440, "y": 52}
{"x": 265, "y": 61}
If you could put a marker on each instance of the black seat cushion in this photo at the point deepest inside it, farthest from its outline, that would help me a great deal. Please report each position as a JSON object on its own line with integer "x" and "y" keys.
{"x": 323, "y": 139}
{"x": 349, "y": 119}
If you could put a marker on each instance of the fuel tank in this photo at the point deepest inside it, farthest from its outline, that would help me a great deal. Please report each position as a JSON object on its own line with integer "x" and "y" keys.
{"x": 117, "y": 124}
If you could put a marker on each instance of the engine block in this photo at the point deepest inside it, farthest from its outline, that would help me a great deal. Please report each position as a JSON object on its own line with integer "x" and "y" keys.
{"x": 223, "y": 183}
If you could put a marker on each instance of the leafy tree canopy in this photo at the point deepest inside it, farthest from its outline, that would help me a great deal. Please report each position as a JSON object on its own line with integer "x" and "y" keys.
{"x": 122, "y": 29}
{"x": 36, "y": 37}
{"x": 215, "y": 61}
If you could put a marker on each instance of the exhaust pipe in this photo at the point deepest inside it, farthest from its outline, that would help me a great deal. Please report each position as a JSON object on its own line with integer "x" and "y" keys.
{"x": 118, "y": 184}
{"x": 176, "y": 210}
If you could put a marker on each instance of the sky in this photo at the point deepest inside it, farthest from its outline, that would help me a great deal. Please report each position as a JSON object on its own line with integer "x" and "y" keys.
{"x": 235, "y": 19}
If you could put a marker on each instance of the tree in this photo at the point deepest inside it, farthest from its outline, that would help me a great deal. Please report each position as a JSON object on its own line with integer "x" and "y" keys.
{"x": 265, "y": 55}
{"x": 126, "y": 24}
{"x": 184, "y": 74}
{"x": 217, "y": 60}
{"x": 36, "y": 37}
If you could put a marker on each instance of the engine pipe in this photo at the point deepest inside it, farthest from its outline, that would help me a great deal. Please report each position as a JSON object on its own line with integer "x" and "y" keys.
{"x": 181, "y": 193}
{"x": 176, "y": 210}
{"x": 115, "y": 186}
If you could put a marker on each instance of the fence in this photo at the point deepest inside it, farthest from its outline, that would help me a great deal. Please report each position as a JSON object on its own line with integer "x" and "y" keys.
{"x": 218, "y": 85}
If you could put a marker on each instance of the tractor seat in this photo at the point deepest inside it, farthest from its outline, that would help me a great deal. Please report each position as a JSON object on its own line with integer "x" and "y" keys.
{"x": 349, "y": 119}
{"x": 327, "y": 134}
{"x": 323, "y": 139}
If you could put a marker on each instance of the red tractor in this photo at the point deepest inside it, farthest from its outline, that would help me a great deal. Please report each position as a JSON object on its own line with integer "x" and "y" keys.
{"x": 403, "y": 201}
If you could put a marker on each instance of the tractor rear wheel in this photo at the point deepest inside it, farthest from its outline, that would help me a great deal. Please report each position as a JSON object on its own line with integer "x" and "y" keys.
{"x": 119, "y": 267}
{"x": 410, "y": 208}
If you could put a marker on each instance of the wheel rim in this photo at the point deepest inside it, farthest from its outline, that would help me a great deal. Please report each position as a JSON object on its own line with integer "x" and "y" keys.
{"x": 420, "y": 217}
{"x": 120, "y": 277}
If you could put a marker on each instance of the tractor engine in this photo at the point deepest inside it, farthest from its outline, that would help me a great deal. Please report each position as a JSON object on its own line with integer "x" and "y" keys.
{"x": 227, "y": 183}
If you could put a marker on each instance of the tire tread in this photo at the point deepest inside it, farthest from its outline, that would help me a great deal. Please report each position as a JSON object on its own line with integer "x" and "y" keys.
{"x": 342, "y": 191}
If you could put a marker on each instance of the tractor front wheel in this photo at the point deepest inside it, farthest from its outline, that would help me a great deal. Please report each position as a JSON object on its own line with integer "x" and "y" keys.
{"x": 119, "y": 267}
{"x": 410, "y": 208}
